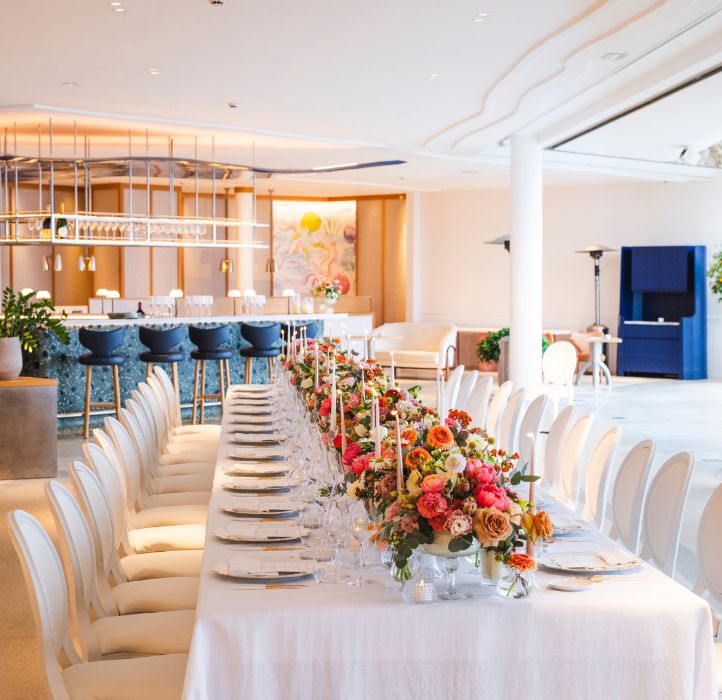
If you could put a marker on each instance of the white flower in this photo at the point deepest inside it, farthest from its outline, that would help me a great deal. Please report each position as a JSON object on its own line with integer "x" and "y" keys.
{"x": 475, "y": 443}
{"x": 360, "y": 429}
{"x": 428, "y": 420}
{"x": 383, "y": 432}
{"x": 353, "y": 490}
{"x": 455, "y": 462}
{"x": 412, "y": 484}
{"x": 307, "y": 383}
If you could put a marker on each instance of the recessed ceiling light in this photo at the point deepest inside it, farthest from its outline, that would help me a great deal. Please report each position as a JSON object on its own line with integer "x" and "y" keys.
{"x": 119, "y": 9}
{"x": 481, "y": 17}
{"x": 434, "y": 76}
{"x": 154, "y": 71}
{"x": 70, "y": 83}
{"x": 614, "y": 56}
{"x": 116, "y": 4}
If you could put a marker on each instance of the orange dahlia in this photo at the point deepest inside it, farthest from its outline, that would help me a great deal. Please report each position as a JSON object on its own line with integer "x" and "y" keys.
{"x": 440, "y": 437}
{"x": 522, "y": 562}
{"x": 417, "y": 458}
{"x": 409, "y": 435}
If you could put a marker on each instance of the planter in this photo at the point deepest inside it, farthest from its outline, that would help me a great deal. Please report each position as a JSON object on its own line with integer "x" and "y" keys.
{"x": 11, "y": 358}
{"x": 325, "y": 306}
{"x": 440, "y": 547}
{"x": 514, "y": 584}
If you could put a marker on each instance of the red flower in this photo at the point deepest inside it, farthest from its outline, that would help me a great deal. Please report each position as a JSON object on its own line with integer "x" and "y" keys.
{"x": 431, "y": 504}
{"x": 438, "y": 523}
{"x": 491, "y": 496}
{"x": 325, "y": 407}
{"x": 352, "y": 451}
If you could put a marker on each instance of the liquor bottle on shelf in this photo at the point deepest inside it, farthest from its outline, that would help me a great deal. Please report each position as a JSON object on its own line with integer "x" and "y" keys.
{"x": 47, "y": 225}
{"x": 61, "y": 224}
{"x": 140, "y": 310}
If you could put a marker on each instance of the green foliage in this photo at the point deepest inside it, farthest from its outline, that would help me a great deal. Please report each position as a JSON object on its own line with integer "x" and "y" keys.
{"x": 715, "y": 275}
{"x": 488, "y": 348}
{"x": 26, "y": 317}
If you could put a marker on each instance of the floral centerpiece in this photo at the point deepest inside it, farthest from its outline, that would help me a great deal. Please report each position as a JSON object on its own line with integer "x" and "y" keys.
{"x": 330, "y": 291}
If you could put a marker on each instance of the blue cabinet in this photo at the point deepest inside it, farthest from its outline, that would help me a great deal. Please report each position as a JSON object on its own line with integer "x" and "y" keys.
{"x": 663, "y": 312}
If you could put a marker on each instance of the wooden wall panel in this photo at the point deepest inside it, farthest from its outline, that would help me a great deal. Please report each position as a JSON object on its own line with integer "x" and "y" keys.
{"x": 394, "y": 256}
{"x": 370, "y": 253}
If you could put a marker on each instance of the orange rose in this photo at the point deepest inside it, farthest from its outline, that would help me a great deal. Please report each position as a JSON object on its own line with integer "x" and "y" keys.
{"x": 440, "y": 437}
{"x": 417, "y": 458}
{"x": 543, "y": 525}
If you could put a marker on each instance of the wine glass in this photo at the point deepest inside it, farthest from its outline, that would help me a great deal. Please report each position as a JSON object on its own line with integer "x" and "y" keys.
{"x": 361, "y": 529}
{"x": 451, "y": 566}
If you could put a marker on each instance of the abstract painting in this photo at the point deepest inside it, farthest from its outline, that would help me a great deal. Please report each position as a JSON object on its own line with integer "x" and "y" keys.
{"x": 314, "y": 242}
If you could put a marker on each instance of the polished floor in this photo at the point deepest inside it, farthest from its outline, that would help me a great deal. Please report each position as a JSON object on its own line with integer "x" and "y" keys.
{"x": 679, "y": 416}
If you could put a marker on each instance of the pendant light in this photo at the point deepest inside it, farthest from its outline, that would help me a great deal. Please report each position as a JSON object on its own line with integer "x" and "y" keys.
{"x": 226, "y": 265}
{"x": 58, "y": 263}
{"x": 86, "y": 262}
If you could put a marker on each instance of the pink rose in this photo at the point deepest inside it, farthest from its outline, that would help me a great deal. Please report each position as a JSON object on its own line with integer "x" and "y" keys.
{"x": 325, "y": 408}
{"x": 458, "y": 523}
{"x": 433, "y": 483}
{"x": 352, "y": 451}
{"x": 431, "y": 504}
{"x": 294, "y": 379}
{"x": 491, "y": 496}
{"x": 360, "y": 464}
{"x": 353, "y": 401}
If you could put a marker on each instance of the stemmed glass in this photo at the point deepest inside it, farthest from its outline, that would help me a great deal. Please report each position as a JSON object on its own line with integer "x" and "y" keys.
{"x": 451, "y": 566}
{"x": 361, "y": 529}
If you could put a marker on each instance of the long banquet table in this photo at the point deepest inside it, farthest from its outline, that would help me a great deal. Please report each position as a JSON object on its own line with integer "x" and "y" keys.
{"x": 633, "y": 636}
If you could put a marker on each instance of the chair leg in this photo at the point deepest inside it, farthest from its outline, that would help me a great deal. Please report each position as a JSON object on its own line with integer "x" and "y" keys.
{"x": 227, "y": 363}
{"x": 116, "y": 390}
{"x": 248, "y": 379}
{"x": 148, "y": 370}
{"x": 174, "y": 379}
{"x": 86, "y": 408}
{"x": 195, "y": 392}
{"x": 203, "y": 391}
{"x": 270, "y": 370}
{"x": 221, "y": 383}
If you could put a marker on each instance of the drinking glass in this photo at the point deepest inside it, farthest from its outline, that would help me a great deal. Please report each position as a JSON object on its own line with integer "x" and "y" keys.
{"x": 324, "y": 556}
{"x": 361, "y": 529}
{"x": 451, "y": 566}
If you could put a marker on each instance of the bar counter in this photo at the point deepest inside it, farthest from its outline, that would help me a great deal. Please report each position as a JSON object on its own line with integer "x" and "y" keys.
{"x": 57, "y": 361}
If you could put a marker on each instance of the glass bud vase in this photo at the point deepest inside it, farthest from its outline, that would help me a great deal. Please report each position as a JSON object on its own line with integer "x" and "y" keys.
{"x": 490, "y": 567}
{"x": 514, "y": 584}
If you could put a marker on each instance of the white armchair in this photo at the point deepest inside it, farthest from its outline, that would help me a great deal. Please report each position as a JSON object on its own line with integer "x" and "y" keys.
{"x": 415, "y": 345}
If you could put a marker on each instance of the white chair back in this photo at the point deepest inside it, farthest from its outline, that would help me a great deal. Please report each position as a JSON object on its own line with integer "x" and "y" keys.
{"x": 478, "y": 404}
{"x": 559, "y": 363}
{"x": 142, "y": 433}
{"x": 596, "y": 478}
{"x": 510, "y": 421}
{"x": 529, "y": 432}
{"x": 551, "y": 470}
{"x": 570, "y": 459}
{"x": 171, "y": 397}
{"x": 628, "y": 494}
{"x": 452, "y": 387}
{"x": 154, "y": 410}
{"x": 709, "y": 561}
{"x": 48, "y": 594}
{"x": 138, "y": 405}
{"x": 468, "y": 382}
{"x": 100, "y": 518}
{"x": 496, "y": 408}
{"x": 78, "y": 554}
{"x": 127, "y": 451}
{"x": 663, "y": 511}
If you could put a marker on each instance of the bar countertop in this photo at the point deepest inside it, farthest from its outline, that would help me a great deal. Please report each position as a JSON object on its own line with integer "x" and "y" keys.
{"x": 81, "y": 320}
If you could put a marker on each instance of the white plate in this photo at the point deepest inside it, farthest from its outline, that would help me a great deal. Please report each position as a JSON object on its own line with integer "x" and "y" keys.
{"x": 259, "y": 440}
{"x": 255, "y": 470}
{"x": 256, "y": 486}
{"x": 603, "y": 568}
{"x": 570, "y": 585}
{"x": 257, "y": 456}
{"x": 222, "y": 569}
{"x": 256, "y": 538}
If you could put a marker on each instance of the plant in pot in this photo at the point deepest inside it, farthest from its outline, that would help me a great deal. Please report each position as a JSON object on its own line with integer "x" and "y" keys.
{"x": 24, "y": 317}
{"x": 488, "y": 348}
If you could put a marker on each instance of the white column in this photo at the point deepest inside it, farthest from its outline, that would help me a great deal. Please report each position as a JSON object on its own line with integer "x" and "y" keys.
{"x": 526, "y": 261}
{"x": 241, "y": 207}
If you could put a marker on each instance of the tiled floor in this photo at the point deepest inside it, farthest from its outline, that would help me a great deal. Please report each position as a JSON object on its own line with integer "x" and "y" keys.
{"x": 677, "y": 415}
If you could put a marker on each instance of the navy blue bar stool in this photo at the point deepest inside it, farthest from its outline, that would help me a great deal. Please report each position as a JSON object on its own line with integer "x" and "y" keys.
{"x": 314, "y": 329}
{"x": 162, "y": 344}
{"x": 101, "y": 345}
{"x": 208, "y": 343}
{"x": 262, "y": 339}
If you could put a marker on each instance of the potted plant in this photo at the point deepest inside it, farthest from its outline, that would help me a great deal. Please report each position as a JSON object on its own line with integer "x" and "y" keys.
{"x": 488, "y": 349}
{"x": 24, "y": 317}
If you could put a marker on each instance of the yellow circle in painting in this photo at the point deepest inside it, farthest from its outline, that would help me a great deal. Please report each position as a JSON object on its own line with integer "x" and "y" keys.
{"x": 311, "y": 221}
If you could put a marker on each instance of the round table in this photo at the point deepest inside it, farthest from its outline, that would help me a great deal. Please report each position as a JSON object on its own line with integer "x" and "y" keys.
{"x": 595, "y": 362}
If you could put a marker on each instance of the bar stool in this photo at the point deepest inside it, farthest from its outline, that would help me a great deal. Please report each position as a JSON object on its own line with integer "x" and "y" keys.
{"x": 101, "y": 345}
{"x": 314, "y": 329}
{"x": 161, "y": 343}
{"x": 262, "y": 339}
{"x": 208, "y": 343}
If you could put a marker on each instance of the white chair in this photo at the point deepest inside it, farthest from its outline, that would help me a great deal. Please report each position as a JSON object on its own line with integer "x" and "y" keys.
{"x": 467, "y": 385}
{"x": 478, "y": 404}
{"x": 628, "y": 494}
{"x": 596, "y": 478}
{"x": 156, "y": 677}
{"x": 663, "y": 510}
{"x": 496, "y": 409}
{"x": 122, "y": 566}
{"x": 571, "y": 460}
{"x": 558, "y": 366}
{"x": 415, "y": 345}
{"x": 510, "y": 421}
{"x": 142, "y": 539}
{"x": 452, "y": 387}
{"x": 529, "y": 433}
{"x": 102, "y": 632}
{"x": 551, "y": 468}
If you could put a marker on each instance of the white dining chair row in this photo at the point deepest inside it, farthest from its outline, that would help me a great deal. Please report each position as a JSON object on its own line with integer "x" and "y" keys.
{"x": 117, "y": 602}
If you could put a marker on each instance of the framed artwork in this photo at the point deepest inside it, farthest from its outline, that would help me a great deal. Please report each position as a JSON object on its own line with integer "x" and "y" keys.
{"x": 314, "y": 242}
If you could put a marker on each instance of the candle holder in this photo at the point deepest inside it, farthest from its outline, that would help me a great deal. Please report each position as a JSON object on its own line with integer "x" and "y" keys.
{"x": 421, "y": 589}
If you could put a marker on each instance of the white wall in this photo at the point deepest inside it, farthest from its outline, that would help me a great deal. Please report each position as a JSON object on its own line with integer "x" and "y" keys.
{"x": 460, "y": 279}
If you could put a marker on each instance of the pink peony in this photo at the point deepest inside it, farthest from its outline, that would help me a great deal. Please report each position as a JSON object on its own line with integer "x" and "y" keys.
{"x": 482, "y": 472}
{"x": 352, "y": 451}
{"x": 491, "y": 496}
{"x": 325, "y": 408}
{"x": 458, "y": 523}
{"x": 433, "y": 483}
{"x": 431, "y": 504}
{"x": 360, "y": 464}
{"x": 353, "y": 401}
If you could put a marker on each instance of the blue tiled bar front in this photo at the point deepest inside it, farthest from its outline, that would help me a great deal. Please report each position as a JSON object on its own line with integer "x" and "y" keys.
{"x": 57, "y": 361}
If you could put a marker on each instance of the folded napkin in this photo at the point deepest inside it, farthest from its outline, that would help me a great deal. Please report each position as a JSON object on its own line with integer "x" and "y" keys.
{"x": 253, "y": 468}
{"x": 264, "y": 531}
{"x": 254, "y": 484}
{"x": 253, "y": 504}
{"x": 617, "y": 557}
{"x": 576, "y": 560}
{"x": 253, "y": 566}
{"x": 272, "y": 439}
{"x": 565, "y": 522}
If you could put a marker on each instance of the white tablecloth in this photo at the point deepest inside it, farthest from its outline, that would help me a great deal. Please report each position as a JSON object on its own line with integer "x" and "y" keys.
{"x": 647, "y": 637}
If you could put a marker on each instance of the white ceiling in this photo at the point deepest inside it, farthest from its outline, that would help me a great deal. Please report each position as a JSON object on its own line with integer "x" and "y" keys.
{"x": 320, "y": 82}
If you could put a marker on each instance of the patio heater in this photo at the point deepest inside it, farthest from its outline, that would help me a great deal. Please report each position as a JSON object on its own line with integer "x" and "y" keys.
{"x": 596, "y": 252}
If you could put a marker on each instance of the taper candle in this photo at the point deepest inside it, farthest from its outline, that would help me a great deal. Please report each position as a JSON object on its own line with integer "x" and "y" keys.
{"x": 399, "y": 457}
{"x": 393, "y": 370}
{"x": 315, "y": 352}
{"x": 333, "y": 398}
{"x": 532, "y": 472}
{"x": 343, "y": 424}
{"x": 377, "y": 429}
